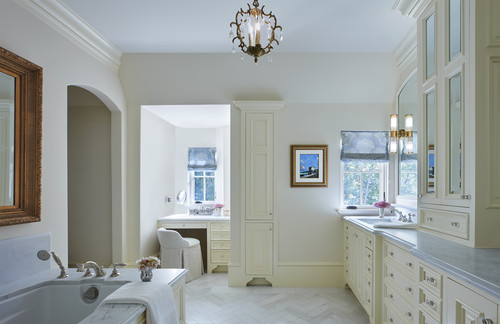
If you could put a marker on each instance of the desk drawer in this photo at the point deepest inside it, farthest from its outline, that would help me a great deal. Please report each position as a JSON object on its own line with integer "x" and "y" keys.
{"x": 220, "y": 245}
{"x": 184, "y": 225}
{"x": 220, "y": 236}
{"x": 220, "y": 256}
{"x": 220, "y": 227}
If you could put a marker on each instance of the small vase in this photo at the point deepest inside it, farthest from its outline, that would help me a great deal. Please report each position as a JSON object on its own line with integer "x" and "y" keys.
{"x": 217, "y": 212}
{"x": 147, "y": 274}
{"x": 381, "y": 212}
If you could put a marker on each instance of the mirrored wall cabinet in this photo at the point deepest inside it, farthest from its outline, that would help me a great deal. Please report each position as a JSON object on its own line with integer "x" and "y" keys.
{"x": 459, "y": 105}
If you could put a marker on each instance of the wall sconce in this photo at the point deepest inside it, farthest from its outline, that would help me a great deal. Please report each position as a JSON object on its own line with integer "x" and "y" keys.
{"x": 396, "y": 134}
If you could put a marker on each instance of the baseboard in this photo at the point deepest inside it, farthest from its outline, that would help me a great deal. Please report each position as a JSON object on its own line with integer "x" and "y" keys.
{"x": 310, "y": 274}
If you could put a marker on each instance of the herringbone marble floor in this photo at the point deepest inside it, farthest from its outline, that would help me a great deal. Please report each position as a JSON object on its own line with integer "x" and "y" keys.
{"x": 210, "y": 301}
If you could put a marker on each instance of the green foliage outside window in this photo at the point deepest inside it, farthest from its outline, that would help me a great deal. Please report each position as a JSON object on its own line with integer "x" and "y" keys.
{"x": 362, "y": 182}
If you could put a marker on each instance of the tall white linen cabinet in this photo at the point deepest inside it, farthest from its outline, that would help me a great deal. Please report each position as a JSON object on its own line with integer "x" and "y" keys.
{"x": 257, "y": 217}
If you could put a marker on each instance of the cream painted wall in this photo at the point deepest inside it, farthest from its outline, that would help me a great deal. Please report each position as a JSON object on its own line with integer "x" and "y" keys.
{"x": 89, "y": 178}
{"x": 158, "y": 154}
{"x": 323, "y": 93}
{"x": 310, "y": 230}
{"x": 64, "y": 64}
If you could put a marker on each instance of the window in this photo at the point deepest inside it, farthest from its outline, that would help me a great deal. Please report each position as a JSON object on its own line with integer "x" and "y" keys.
{"x": 364, "y": 157}
{"x": 202, "y": 164}
{"x": 364, "y": 182}
{"x": 202, "y": 185}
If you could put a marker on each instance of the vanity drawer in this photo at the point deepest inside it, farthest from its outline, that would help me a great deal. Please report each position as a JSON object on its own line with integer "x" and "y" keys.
{"x": 408, "y": 286}
{"x": 369, "y": 242}
{"x": 368, "y": 255}
{"x": 219, "y": 227}
{"x": 405, "y": 309}
{"x": 184, "y": 225}
{"x": 423, "y": 318}
{"x": 451, "y": 223}
{"x": 391, "y": 315}
{"x": 220, "y": 245}
{"x": 401, "y": 258}
{"x": 220, "y": 256}
{"x": 430, "y": 304}
{"x": 368, "y": 267}
{"x": 216, "y": 235}
{"x": 431, "y": 280}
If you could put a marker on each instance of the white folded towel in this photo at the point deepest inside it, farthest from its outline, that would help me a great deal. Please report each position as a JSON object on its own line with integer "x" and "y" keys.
{"x": 395, "y": 225}
{"x": 158, "y": 298}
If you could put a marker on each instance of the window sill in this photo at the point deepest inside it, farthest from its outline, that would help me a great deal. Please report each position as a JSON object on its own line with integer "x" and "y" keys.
{"x": 358, "y": 212}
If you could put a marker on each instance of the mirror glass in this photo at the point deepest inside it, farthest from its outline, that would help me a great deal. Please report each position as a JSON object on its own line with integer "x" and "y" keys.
{"x": 407, "y": 104}
{"x": 7, "y": 136}
{"x": 455, "y": 28}
{"x": 455, "y": 135}
{"x": 181, "y": 197}
{"x": 430, "y": 50}
{"x": 430, "y": 139}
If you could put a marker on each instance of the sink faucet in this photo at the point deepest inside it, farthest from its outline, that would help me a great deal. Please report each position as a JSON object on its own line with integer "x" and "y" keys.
{"x": 401, "y": 218}
{"x": 99, "y": 272}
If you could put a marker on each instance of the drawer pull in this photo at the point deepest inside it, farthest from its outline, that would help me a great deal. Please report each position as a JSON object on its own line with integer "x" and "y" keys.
{"x": 430, "y": 303}
{"x": 429, "y": 219}
{"x": 408, "y": 314}
{"x": 356, "y": 235}
{"x": 430, "y": 280}
{"x": 347, "y": 248}
{"x": 391, "y": 296}
{"x": 370, "y": 242}
{"x": 391, "y": 320}
{"x": 347, "y": 258}
{"x": 391, "y": 275}
{"x": 368, "y": 300}
{"x": 369, "y": 256}
{"x": 369, "y": 269}
{"x": 465, "y": 197}
{"x": 391, "y": 253}
{"x": 455, "y": 224}
{"x": 408, "y": 289}
{"x": 409, "y": 264}
{"x": 369, "y": 283}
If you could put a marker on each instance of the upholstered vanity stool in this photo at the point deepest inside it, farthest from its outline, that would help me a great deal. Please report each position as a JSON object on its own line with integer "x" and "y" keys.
{"x": 180, "y": 252}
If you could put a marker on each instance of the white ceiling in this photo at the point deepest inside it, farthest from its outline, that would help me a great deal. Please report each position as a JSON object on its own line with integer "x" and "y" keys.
{"x": 200, "y": 26}
{"x": 196, "y": 116}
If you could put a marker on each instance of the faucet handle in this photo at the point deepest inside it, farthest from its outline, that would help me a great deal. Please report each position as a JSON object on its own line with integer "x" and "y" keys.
{"x": 88, "y": 273}
{"x": 115, "y": 272}
{"x": 80, "y": 267}
{"x": 410, "y": 215}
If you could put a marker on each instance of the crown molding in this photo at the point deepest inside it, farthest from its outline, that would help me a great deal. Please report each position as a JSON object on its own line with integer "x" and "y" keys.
{"x": 60, "y": 17}
{"x": 411, "y": 8}
{"x": 406, "y": 51}
{"x": 256, "y": 105}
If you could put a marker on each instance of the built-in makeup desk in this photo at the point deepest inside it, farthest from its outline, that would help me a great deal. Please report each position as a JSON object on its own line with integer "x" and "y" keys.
{"x": 213, "y": 233}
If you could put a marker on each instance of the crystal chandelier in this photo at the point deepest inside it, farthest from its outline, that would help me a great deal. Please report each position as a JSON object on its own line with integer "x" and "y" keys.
{"x": 248, "y": 26}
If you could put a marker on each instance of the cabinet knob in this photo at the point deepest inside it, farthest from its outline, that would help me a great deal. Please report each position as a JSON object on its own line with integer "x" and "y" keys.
{"x": 408, "y": 289}
{"x": 429, "y": 219}
{"x": 465, "y": 197}
{"x": 409, "y": 264}
{"x": 391, "y": 296}
{"x": 391, "y": 275}
{"x": 270, "y": 214}
{"x": 430, "y": 279}
{"x": 391, "y": 253}
{"x": 420, "y": 195}
{"x": 429, "y": 303}
{"x": 455, "y": 224}
{"x": 408, "y": 314}
{"x": 391, "y": 320}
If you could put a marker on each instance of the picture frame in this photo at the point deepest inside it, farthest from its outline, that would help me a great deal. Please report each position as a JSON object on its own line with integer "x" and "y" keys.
{"x": 308, "y": 166}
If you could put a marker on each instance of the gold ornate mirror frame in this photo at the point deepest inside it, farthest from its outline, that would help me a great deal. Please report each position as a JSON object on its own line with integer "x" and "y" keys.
{"x": 27, "y": 139}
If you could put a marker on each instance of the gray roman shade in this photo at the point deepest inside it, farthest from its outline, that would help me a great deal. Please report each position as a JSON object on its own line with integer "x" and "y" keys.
{"x": 364, "y": 145}
{"x": 201, "y": 158}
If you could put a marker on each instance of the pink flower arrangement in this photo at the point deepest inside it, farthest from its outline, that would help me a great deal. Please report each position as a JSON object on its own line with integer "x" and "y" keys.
{"x": 382, "y": 204}
{"x": 150, "y": 261}
{"x": 219, "y": 206}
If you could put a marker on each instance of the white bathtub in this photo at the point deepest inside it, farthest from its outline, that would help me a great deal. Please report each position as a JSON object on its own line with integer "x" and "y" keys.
{"x": 56, "y": 302}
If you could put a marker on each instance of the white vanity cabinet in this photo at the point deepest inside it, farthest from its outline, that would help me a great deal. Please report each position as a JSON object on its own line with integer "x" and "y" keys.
{"x": 459, "y": 76}
{"x": 360, "y": 264}
{"x": 400, "y": 288}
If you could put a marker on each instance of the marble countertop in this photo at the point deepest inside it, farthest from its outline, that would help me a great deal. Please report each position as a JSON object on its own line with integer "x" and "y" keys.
{"x": 186, "y": 217}
{"x": 479, "y": 267}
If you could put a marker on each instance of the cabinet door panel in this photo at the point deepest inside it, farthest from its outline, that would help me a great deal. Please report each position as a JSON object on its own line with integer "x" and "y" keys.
{"x": 259, "y": 248}
{"x": 464, "y": 306}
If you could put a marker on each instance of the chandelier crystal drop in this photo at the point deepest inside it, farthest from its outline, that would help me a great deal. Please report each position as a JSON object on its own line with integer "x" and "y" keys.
{"x": 256, "y": 31}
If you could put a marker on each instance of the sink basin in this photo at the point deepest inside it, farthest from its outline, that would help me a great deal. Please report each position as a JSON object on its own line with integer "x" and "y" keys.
{"x": 385, "y": 222}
